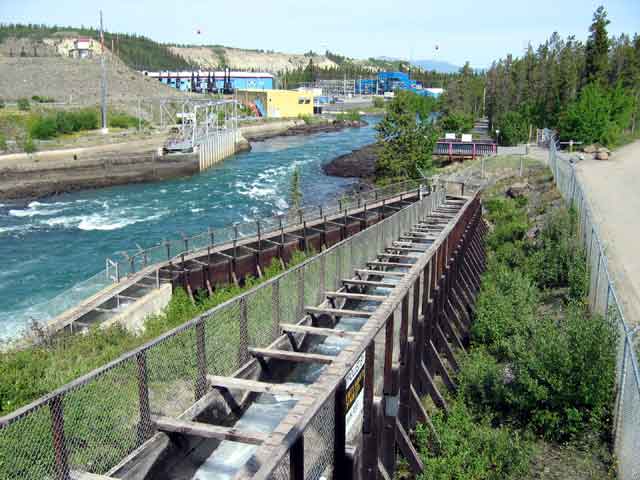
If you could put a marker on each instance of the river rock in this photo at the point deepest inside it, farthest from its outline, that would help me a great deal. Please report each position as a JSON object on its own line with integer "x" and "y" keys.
{"x": 360, "y": 163}
{"x": 518, "y": 190}
{"x": 589, "y": 149}
{"x": 602, "y": 156}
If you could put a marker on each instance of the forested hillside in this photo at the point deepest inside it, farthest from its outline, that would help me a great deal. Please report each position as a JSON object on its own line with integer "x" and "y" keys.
{"x": 589, "y": 91}
{"x": 138, "y": 52}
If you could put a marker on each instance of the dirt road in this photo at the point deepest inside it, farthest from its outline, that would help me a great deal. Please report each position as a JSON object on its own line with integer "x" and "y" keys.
{"x": 613, "y": 189}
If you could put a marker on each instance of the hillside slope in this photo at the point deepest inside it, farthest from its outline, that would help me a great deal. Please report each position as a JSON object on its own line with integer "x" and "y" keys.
{"x": 138, "y": 52}
{"x": 241, "y": 59}
{"x": 75, "y": 81}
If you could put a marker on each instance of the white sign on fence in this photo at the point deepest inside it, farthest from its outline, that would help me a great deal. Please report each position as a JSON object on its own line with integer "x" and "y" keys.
{"x": 354, "y": 393}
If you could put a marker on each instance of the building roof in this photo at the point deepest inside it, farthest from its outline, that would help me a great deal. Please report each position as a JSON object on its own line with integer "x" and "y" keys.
{"x": 206, "y": 73}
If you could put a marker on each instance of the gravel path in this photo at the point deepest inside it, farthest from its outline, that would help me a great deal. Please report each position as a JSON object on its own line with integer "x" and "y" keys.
{"x": 613, "y": 189}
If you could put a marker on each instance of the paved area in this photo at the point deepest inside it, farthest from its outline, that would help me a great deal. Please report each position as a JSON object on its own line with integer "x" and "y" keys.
{"x": 613, "y": 189}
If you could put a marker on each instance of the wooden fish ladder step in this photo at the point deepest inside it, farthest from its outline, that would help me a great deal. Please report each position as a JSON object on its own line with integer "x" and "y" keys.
{"x": 301, "y": 357}
{"x": 205, "y": 430}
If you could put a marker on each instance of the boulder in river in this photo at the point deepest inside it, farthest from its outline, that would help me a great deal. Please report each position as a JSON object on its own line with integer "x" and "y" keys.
{"x": 360, "y": 163}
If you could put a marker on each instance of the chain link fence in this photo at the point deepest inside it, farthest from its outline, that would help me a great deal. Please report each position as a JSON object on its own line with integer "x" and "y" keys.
{"x": 93, "y": 423}
{"x": 603, "y": 300}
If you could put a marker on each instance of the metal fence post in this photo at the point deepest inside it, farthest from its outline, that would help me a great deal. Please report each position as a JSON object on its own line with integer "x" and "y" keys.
{"x": 595, "y": 288}
{"x": 521, "y": 166}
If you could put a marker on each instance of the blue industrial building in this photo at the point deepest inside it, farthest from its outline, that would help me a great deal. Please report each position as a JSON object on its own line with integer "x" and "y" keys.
{"x": 390, "y": 82}
{"x": 209, "y": 81}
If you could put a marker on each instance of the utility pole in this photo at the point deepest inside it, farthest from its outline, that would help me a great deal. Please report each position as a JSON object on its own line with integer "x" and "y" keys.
{"x": 103, "y": 83}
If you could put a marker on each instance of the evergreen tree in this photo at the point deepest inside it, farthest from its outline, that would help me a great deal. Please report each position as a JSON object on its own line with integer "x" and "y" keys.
{"x": 597, "y": 51}
{"x": 406, "y": 138}
{"x": 296, "y": 190}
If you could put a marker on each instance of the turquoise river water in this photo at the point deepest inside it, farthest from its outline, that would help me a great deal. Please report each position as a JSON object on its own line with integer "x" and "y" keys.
{"x": 50, "y": 245}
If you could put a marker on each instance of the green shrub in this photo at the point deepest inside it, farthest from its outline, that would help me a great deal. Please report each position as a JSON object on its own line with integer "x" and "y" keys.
{"x": 505, "y": 311}
{"x": 40, "y": 99}
{"x": 509, "y": 218}
{"x": 86, "y": 119}
{"x": 44, "y": 127}
{"x": 482, "y": 380}
{"x": 514, "y": 128}
{"x": 29, "y": 145}
{"x": 456, "y": 122}
{"x": 564, "y": 375}
{"x": 52, "y": 125}
{"x": 350, "y": 116}
{"x": 558, "y": 259}
{"x": 378, "y": 102}
{"x": 23, "y": 104}
{"x": 3, "y": 141}
{"x": 598, "y": 115}
{"x": 551, "y": 372}
{"x": 470, "y": 448}
{"x": 122, "y": 120}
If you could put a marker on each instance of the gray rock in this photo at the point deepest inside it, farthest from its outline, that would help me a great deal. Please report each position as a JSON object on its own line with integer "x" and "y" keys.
{"x": 602, "y": 156}
{"x": 589, "y": 149}
{"x": 518, "y": 190}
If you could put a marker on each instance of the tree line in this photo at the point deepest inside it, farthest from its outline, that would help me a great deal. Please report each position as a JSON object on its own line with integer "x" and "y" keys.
{"x": 136, "y": 51}
{"x": 589, "y": 91}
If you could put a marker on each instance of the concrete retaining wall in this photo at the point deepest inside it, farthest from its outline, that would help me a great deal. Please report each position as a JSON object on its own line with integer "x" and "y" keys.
{"x": 217, "y": 147}
{"x": 38, "y": 179}
{"x": 134, "y": 316}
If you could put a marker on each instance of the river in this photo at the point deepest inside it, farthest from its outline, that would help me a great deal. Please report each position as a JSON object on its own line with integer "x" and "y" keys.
{"x": 50, "y": 245}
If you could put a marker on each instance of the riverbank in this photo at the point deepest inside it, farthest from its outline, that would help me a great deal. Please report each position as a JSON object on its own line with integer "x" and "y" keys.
{"x": 47, "y": 173}
{"x": 298, "y": 127}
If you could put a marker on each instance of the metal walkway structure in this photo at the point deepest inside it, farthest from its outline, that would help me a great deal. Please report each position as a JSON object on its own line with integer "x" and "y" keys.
{"x": 203, "y": 262}
{"x": 377, "y": 316}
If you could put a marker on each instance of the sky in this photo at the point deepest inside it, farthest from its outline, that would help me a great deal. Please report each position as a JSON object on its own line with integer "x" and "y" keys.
{"x": 478, "y": 31}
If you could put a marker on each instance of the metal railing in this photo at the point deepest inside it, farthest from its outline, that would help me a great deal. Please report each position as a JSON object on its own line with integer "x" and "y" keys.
{"x": 604, "y": 300}
{"x": 130, "y": 262}
{"x": 94, "y": 422}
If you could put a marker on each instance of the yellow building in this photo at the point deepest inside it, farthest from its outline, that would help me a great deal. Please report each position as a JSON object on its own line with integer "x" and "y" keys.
{"x": 278, "y": 103}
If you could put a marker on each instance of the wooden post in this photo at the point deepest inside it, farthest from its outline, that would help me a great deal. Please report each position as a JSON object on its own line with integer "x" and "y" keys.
{"x": 243, "y": 341}
{"x": 275, "y": 309}
{"x": 369, "y": 444}
{"x": 340, "y": 464}
{"x": 144, "y": 425}
{"x": 201, "y": 359}
{"x": 296, "y": 459}
{"x": 390, "y": 399}
{"x": 59, "y": 444}
{"x": 300, "y": 306}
